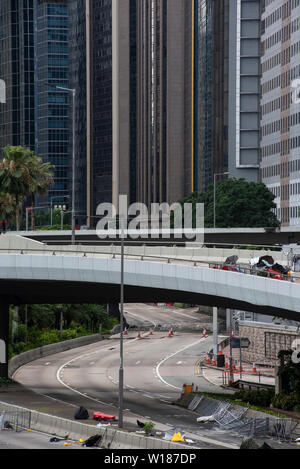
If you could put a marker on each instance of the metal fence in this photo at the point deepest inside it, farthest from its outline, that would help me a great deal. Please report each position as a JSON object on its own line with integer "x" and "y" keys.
{"x": 15, "y": 420}
{"x": 231, "y": 418}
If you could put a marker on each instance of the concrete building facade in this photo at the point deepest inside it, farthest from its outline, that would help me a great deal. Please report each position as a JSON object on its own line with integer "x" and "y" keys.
{"x": 280, "y": 108}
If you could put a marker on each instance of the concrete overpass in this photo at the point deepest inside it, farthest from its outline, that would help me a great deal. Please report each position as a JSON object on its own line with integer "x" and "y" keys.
{"x": 233, "y": 236}
{"x": 35, "y": 273}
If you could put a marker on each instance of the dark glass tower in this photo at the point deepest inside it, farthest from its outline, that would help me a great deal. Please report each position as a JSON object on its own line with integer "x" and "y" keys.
{"x": 34, "y": 53}
{"x": 17, "y": 116}
{"x": 93, "y": 36}
{"x": 53, "y": 105}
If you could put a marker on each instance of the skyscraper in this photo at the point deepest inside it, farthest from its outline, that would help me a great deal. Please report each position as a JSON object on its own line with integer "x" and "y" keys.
{"x": 53, "y": 105}
{"x": 34, "y": 53}
{"x": 280, "y": 112}
{"x": 167, "y": 91}
{"x": 102, "y": 53}
{"x": 17, "y": 116}
{"x": 235, "y": 88}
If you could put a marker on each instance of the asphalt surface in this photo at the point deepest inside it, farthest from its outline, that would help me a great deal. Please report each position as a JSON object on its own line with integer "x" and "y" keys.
{"x": 156, "y": 366}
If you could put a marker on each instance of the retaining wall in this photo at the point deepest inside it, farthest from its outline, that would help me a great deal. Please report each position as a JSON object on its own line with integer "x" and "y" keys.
{"x": 40, "y": 352}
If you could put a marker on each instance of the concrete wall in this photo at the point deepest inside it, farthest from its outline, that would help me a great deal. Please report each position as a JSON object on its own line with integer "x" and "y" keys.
{"x": 262, "y": 347}
{"x": 39, "y": 352}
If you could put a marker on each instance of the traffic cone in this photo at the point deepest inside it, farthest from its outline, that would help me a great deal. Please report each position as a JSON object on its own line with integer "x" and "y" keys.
{"x": 232, "y": 333}
{"x": 139, "y": 336}
{"x": 207, "y": 359}
{"x": 254, "y": 368}
{"x": 125, "y": 331}
{"x": 214, "y": 363}
{"x": 150, "y": 333}
{"x": 220, "y": 350}
{"x": 226, "y": 362}
{"x": 170, "y": 333}
{"x": 204, "y": 334}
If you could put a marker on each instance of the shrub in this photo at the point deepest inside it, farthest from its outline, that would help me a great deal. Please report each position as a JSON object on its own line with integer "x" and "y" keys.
{"x": 261, "y": 397}
{"x": 286, "y": 401}
{"x": 148, "y": 427}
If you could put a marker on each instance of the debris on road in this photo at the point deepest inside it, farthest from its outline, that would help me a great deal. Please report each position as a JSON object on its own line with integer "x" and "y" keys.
{"x": 102, "y": 416}
{"x": 92, "y": 441}
{"x": 81, "y": 414}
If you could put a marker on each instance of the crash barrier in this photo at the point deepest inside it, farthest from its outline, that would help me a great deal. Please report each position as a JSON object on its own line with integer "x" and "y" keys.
{"x": 40, "y": 352}
{"x": 227, "y": 375}
{"x": 111, "y": 438}
{"x": 240, "y": 419}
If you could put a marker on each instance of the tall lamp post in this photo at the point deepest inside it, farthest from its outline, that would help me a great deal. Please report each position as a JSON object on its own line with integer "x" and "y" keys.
{"x": 73, "y": 92}
{"x": 215, "y": 175}
{"x": 121, "y": 370}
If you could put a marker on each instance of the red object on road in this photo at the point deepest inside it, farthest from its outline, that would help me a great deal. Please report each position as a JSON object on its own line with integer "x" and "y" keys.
{"x": 102, "y": 416}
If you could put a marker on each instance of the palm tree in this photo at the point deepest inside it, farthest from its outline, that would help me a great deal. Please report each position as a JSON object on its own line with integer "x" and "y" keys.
{"x": 41, "y": 179}
{"x": 15, "y": 178}
{"x": 24, "y": 174}
{"x": 7, "y": 207}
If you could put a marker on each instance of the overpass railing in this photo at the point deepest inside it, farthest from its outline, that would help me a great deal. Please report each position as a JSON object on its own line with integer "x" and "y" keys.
{"x": 238, "y": 268}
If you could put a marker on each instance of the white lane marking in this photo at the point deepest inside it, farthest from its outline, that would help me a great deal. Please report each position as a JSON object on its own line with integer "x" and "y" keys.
{"x": 141, "y": 317}
{"x": 167, "y": 358}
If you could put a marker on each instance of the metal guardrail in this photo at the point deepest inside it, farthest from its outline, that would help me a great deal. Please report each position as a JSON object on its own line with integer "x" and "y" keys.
{"x": 238, "y": 268}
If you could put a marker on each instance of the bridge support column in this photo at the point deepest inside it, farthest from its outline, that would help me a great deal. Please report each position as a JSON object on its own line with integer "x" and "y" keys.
{"x": 215, "y": 330}
{"x": 4, "y": 335}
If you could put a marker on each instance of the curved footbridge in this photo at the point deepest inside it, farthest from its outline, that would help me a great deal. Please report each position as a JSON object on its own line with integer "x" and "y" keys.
{"x": 32, "y": 272}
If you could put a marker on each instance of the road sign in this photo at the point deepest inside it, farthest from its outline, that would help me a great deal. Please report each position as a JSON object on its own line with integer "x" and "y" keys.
{"x": 245, "y": 342}
{"x": 240, "y": 342}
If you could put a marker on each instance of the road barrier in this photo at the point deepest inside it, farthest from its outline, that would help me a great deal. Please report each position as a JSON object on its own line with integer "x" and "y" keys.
{"x": 111, "y": 437}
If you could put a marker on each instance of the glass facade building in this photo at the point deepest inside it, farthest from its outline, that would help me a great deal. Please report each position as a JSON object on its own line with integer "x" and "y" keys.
{"x": 17, "y": 116}
{"x": 53, "y": 107}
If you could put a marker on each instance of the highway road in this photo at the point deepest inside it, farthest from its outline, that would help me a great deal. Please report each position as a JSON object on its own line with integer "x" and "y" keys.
{"x": 155, "y": 368}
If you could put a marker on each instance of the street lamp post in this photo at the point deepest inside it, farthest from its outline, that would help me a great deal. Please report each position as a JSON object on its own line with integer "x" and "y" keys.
{"x": 73, "y": 91}
{"x": 121, "y": 370}
{"x": 215, "y": 175}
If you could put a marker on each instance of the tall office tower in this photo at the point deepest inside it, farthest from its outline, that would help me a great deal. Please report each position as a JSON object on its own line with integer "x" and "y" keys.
{"x": 34, "y": 54}
{"x": 78, "y": 45}
{"x": 53, "y": 105}
{"x": 102, "y": 55}
{"x": 204, "y": 84}
{"x": 17, "y": 116}
{"x": 235, "y": 88}
{"x": 280, "y": 108}
{"x": 166, "y": 100}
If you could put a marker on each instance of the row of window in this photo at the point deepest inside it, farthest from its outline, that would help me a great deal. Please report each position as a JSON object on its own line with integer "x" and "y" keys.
{"x": 283, "y": 147}
{"x": 285, "y": 191}
{"x": 281, "y": 169}
{"x": 281, "y": 125}
{"x": 282, "y": 35}
{"x": 283, "y": 103}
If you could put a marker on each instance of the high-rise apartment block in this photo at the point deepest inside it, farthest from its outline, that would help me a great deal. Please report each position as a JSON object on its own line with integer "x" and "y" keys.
{"x": 280, "y": 110}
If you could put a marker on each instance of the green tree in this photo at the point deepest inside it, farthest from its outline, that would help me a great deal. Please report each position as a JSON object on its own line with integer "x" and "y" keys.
{"x": 239, "y": 203}
{"x": 7, "y": 208}
{"x": 15, "y": 176}
{"x": 41, "y": 175}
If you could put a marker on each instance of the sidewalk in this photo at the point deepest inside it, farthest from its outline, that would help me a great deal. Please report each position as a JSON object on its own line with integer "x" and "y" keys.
{"x": 220, "y": 376}
{"x": 251, "y": 373}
